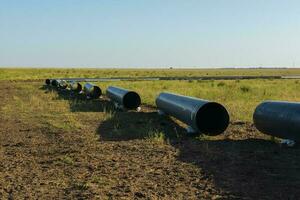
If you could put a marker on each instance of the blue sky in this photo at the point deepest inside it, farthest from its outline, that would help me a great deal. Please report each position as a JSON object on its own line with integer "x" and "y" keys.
{"x": 150, "y": 33}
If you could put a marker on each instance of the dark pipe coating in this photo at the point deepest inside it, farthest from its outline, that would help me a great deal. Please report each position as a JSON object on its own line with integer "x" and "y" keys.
{"x": 92, "y": 91}
{"x": 129, "y": 99}
{"x": 203, "y": 116}
{"x": 279, "y": 119}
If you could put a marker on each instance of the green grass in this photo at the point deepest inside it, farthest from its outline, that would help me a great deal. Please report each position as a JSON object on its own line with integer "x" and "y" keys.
{"x": 102, "y": 144}
{"x": 30, "y": 74}
{"x": 240, "y": 97}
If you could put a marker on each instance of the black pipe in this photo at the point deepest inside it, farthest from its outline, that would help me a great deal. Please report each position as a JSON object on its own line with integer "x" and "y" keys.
{"x": 48, "y": 81}
{"x": 54, "y": 83}
{"x": 92, "y": 91}
{"x": 76, "y": 87}
{"x": 202, "y": 116}
{"x": 128, "y": 99}
{"x": 279, "y": 119}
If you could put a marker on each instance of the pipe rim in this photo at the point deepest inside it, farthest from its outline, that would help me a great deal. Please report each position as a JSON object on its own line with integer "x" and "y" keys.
{"x": 212, "y": 119}
{"x": 96, "y": 92}
{"x": 79, "y": 87}
{"x": 54, "y": 83}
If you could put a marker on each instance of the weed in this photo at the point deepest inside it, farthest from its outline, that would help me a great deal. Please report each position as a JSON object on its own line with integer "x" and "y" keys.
{"x": 156, "y": 136}
{"x": 245, "y": 88}
{"x": 109, "y": 114}
{"x": 81, "y": 185}
{"x": 67, "y": 160}
{"x": 221, "y": 84}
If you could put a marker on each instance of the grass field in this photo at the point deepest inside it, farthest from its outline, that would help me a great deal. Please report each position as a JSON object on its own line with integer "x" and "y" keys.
{"x": 38, "y": 74}
{"x": 56, "y": 146}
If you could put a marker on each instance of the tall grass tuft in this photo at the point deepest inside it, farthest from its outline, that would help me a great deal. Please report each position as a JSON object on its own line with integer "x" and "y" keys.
{"x": 221, "y": 84}
{"x": 157, "y": 136}
{"x": 245, "y": 89}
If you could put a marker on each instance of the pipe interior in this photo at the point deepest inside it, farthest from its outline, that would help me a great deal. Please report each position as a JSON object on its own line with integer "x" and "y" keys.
{"x": 131, "y": 100}
{"x": 48, "y": 81}
{"x": 96, "y": 92}
{"x": 79, "y": 87}
{"x": 212, "y": 119}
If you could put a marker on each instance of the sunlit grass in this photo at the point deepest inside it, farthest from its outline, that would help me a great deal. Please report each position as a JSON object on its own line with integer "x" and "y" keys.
{"x": 47, "y": 108}
{"x": 31, "y": 74}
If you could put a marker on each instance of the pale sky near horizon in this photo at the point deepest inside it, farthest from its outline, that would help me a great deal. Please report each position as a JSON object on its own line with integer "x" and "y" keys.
{"x": 150, "y": 33}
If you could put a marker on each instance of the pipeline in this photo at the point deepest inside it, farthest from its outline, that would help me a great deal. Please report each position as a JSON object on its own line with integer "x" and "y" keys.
{"x": 48, "y": 81}
{"x": 279, "y": 119}
{"x": 92, "y": 91}
{"x": 74, "y": 86}
{"x": 58, "y": 83}
{"x": 62, "y": 84}
{"x": 204, "y": 117}
{"x": 54, "y": 83}
{"x": 127, "y": 99}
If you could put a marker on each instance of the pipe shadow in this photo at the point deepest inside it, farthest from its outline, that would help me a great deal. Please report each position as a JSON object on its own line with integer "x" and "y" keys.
{"x": 78, "y": 102}
{"x": 239, "y": 169}
{"x": 124, "y": 126}
{"x": 247, "y": 169}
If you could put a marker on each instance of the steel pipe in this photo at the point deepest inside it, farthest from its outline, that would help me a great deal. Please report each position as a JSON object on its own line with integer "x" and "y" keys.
{"x": 279, "y": 119}
{"x": 62, "y": 84}
{"x": 54, "y": 82}
{"x": 74, "y": 86}
{"x": 48, "y": 81}
{"x": 202, "y": 116}
{"x": 92, "y": 91}
{"x": 128, "y": 99}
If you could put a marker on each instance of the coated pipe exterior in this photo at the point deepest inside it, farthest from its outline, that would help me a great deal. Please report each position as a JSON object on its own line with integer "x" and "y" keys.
{"x": 128, "y": 99}
{"x": 92, "y": 91}
{"x": 74, "y": 86}
{"x": 62, "y": 84}
{"x": 279, "y": 119}
{"x": 203, "y": 116}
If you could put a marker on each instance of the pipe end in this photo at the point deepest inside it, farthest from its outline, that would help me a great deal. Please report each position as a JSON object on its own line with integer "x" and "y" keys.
{"x": 48, "y": 81}
{"x": 54, "y": 83}
{"x": 79, "y": 87}
{"x": 96, "y": 92}
{"x": 212, "y": 119}
{"x": 131, "y": 100}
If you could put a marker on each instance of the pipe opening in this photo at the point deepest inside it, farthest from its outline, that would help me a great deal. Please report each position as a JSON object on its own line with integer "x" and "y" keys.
{"x": 76, "y": 87}
{"x": 79, "y": 87}
{"x": 212, "y": 119}
{"x": 54, "y": 83}
{"x": 96, "y": 93}
{"x": 48, "y": 82}
{"x": 131, "y": 100}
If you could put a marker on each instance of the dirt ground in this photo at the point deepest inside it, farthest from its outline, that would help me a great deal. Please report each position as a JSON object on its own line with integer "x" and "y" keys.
{"x": 111, "y": 158}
